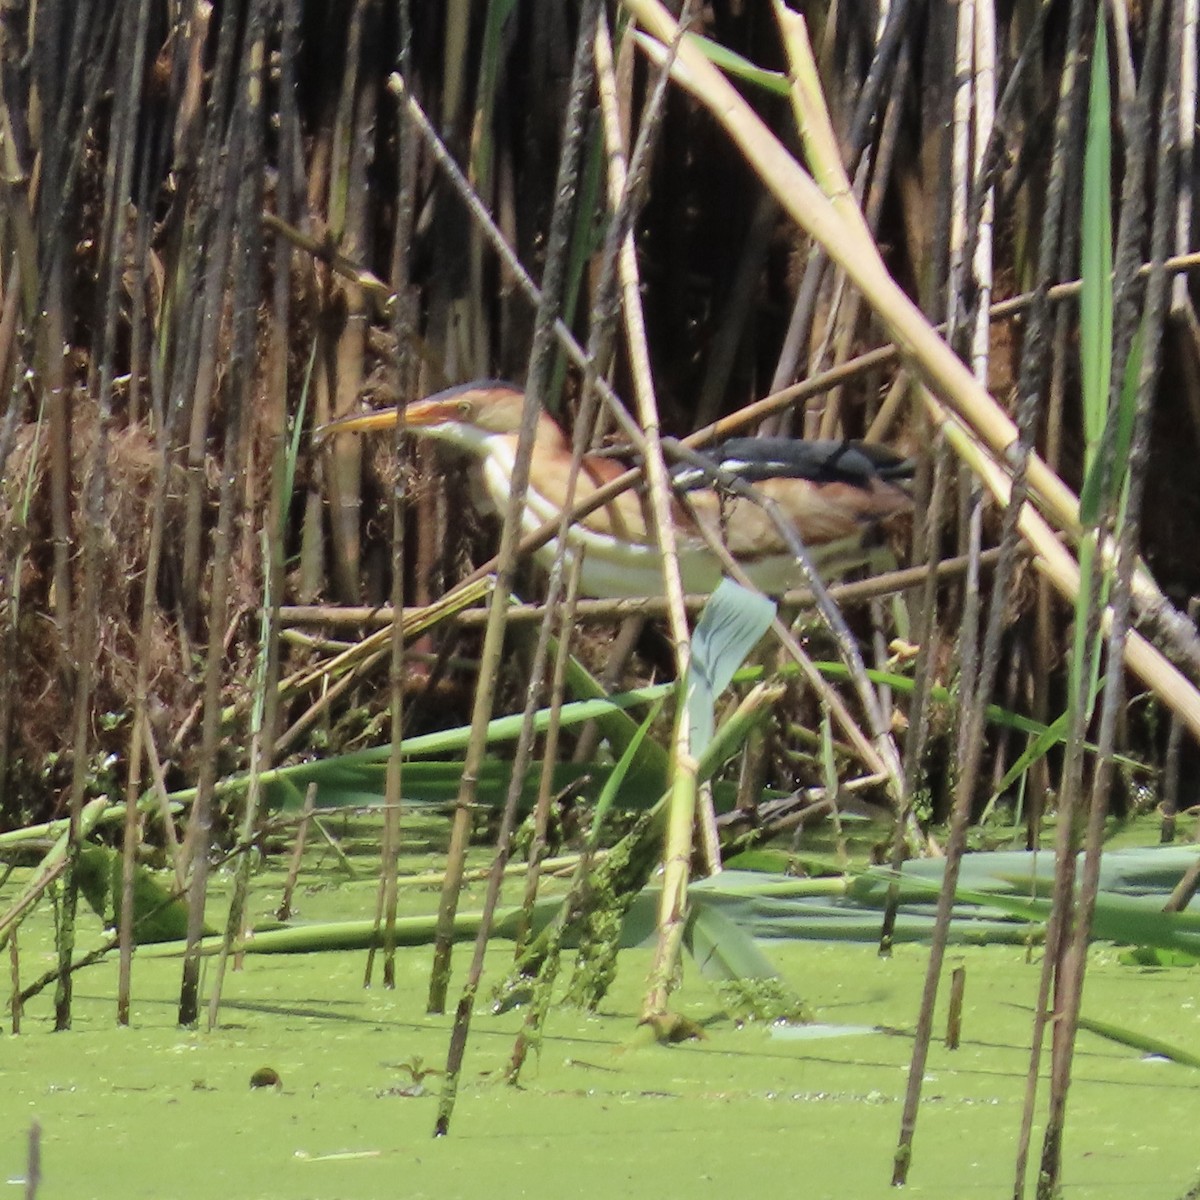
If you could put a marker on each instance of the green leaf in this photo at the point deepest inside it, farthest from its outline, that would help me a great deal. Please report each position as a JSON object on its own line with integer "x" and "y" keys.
{"x": 616, "y": 780}
{"x": 739, "y": 67}
{"x": 1096, "y": 265}
{"x": 733, "y": 621}
{"x": 354, "y": 767}
{"x": 1126, "y": 920}
{"x": 1039, "y": 746}
{"x": 1139, "y": 1041}
{"x": 648, "y": 772}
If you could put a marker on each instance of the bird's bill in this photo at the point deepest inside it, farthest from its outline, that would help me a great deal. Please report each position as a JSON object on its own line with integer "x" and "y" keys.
{"x": 488, "y": 406}
{"x": 420, "y": 415}
{"x": 384, "y": 418}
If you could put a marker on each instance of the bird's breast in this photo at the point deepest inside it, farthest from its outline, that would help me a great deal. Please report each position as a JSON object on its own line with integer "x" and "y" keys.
{"x": 622, "y": 517}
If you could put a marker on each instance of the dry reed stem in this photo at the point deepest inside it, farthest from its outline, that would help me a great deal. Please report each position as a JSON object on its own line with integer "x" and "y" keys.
{"x": 845, "y": 595}
{"x": 678, "y": 849}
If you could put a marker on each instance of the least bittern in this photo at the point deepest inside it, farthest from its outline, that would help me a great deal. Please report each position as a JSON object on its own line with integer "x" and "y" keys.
{"x": 836, "y": 493}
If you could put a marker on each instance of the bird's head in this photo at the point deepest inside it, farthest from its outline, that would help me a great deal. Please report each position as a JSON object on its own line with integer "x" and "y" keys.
{"x": 467, "y": 415}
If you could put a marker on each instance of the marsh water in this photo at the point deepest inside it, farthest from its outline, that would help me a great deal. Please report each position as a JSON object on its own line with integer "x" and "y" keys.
{"x": 602, "y": 1111}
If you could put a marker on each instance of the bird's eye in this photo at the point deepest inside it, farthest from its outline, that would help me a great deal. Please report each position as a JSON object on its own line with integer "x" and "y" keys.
{"x": 465, "y": 410}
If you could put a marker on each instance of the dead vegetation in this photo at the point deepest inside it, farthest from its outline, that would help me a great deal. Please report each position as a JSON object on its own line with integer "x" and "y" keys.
{"x": 160, "y": 131}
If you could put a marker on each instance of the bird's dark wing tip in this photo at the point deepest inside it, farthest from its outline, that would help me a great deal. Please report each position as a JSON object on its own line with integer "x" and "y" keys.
{"x": 816, "y": 460}
{"x": 887, "y": 462}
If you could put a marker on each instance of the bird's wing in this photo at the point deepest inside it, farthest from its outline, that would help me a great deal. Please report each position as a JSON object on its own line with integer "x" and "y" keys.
{"x": 820, "y": 461}
{"x": 830, "y": 490}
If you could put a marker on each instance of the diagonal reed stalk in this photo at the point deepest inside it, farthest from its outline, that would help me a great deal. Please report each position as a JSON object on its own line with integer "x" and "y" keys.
{"x": 677, "y": 851}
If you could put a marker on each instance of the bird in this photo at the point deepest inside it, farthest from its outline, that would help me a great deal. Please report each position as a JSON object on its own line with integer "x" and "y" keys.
{"x": 838, "y": 494}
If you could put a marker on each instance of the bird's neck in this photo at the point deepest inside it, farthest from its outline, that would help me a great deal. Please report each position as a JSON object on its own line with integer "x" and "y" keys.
{"x": 549, "y": 436}
{"x": 549, "y": 441}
